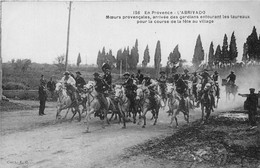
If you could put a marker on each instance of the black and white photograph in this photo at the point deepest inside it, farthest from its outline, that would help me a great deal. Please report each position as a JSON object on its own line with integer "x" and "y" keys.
{"x": 129, "y": 84}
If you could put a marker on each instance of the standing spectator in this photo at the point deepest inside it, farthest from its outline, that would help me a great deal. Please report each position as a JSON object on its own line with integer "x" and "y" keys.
{"x": 43, "y": 80}
{"x": 42, "y": 98}
{"x": 51, "y": 87}
{"x": 251, "y": 105}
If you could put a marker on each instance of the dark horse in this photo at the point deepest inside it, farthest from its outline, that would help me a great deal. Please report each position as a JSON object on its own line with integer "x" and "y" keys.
{"x": 230, "y": 88}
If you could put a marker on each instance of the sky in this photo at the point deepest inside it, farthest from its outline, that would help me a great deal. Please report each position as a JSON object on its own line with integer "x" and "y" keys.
{"x": 38, "y": 30}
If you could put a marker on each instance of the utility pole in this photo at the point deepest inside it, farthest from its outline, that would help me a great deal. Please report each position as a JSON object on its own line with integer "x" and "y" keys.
{"x": 68, "y": 36}
{"x": 1, "y": 77}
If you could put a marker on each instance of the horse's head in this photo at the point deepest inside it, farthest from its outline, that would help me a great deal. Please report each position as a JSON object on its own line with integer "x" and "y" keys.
{"x": 58, "y": 87}
{"x": 139, "y": 92}
{"x": 170, "y": 88}
{"x": 89, "y": 87}
{"x": 119, "y": 91}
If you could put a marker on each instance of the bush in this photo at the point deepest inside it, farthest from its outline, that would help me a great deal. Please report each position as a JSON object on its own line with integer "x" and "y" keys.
{"x": 14, "y": 86}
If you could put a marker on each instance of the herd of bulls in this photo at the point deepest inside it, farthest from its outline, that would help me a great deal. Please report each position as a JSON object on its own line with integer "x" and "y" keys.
{"x": 119, "y": 104}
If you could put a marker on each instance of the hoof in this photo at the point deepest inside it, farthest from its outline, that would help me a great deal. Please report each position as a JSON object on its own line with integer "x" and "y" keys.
{"x": 143, "y": 126}
{"x": 134, "y": 122}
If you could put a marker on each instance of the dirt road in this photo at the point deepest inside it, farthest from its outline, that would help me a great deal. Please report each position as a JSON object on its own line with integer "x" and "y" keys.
{"x": 29, "y": 140}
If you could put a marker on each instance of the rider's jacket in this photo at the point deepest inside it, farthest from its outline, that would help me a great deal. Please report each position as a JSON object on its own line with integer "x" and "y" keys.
{"x": 215, "y": 77}
{"x": 100, "y": 86}
{"x": 232, "y": 77}
{"x": 139, "y": 77}
{"x": 108, "y": 78}
{"x": 181, "y": 86}
{"x": 129, "y": 84}
{"x": 80, "y": 82}
{"x": 70, "y": 80}
{"x": 151, "y": 84}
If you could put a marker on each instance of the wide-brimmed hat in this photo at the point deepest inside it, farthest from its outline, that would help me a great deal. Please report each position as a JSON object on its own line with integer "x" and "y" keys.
{"x": 66, "y": 73}
{"x": 126, "y": 74}
{"x": 147, "y": 77}
{"x": 232, "y": 71}
{"x": 78, "y": 73}
{"x": 186, "y": 70}
{"x": 96, "y": 74}
{"x": 216, "y": 72}
{"x": 162, "y": 72}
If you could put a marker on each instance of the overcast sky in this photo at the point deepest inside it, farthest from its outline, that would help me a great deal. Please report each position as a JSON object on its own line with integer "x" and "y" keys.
{"x": 38, "y": 30}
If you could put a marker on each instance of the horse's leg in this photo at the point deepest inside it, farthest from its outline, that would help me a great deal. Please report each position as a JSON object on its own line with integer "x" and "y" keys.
{"x": 58, "y": 113}
{"x": 112, "y": 115}
{"x": 174, "y": 116}
{"x": 202, "y": 113}
{"x": 66, "y": 114}
{"x": 88, "y": 118}
{"x": 144, "y": 116}
{"x": 79, "y": 115}
{"x": 156, "y": 115}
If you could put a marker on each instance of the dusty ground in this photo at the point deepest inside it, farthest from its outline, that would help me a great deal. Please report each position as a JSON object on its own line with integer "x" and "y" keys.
{"x": 29, "y": 140}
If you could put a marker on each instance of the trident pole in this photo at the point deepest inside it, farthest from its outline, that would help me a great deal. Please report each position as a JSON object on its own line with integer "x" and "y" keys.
{"x": 68, "y": 36}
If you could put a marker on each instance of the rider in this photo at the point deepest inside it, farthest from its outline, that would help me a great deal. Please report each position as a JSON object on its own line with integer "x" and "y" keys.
{"x": 207, "y": 90}
{"x": 139, "y": 76}
{"x": 80, "y": 82}
{"x": 130, "y": 88}
{"x": 215, "y": 79}
{"x": 186, "y": 76}
{"x": 162, "y": 83}
{"x": 205, "y": 80}
{"x": 108, "y": 78}
{"x": 195, "y": 80}
{"x": 232, "y": 78}
{"x": 101, "y": 87}
{"x": 70, "y": 86}
{"x": 181, "y": 88}
{"x": 151, "y": 84}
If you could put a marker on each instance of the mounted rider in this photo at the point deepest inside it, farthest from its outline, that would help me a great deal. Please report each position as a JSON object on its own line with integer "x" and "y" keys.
{"x": 181, "y": 88}
{"x": 130, "y": 88}
{"x": 186, "y": 76}
{"x": 80, "y": 82}
{"x": 70, "y": 83}
{"x": 195, "y": 81}
{"x": 162, "y": 83}
{"x": 106, "y": 68}
{"x": 101, "y": 87}
{"x": 139, "y": 76}
{"x": 151, "y": 84}
{"x": 232, "y": 78}
{"x": 215, "y": 79}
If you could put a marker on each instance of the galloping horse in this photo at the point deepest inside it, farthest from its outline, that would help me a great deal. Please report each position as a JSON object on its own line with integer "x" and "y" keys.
{"x": 143, "y": 94}
{"x": 162, "y": 92}
{"x": 123, "y": 102}
{"x": 64, "y": 102}
{"x": 231, "y": 88}
{"x": 207, "y": 102}
{"x": 93, "y": 105}
{"x": 174, "y": 100}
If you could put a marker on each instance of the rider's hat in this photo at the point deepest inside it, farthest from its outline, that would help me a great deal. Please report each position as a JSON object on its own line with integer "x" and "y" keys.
{"x": 162, "y": 72}
{"x": 195, "y": 73}
{"x": 147, "y": 77}
{"x": 186, "y": 70}
{"x": 207, "y": 85}
{"x": 96, "y": 74}
{"x": 216, "y": 72}
{"x": 78, "y": 73}
{"x": 232, "y": 71}
{"x": 126, "y": 74}
{"x": 66, "y": 73}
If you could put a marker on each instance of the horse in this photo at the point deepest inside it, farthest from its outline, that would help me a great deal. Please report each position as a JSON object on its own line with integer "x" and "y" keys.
{"x": 207, "y": 102}
{"x": 174, "y": 101}
{"x": 122, "y": 101}
{"x": 64, "y": 102}
{"x": 93, "y": 104}
{"x": 231, "y": 89}
{"x": 143, "y": 94}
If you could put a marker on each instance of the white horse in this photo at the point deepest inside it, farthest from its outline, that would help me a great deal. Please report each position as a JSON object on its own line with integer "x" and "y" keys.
{"x": 93, "y": 104}
{"x": 64, "y": 102}
{"x": 174, "y": 103}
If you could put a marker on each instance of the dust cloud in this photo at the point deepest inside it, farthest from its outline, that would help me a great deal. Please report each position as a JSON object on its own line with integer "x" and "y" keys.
{"x": 245, "y": 78}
